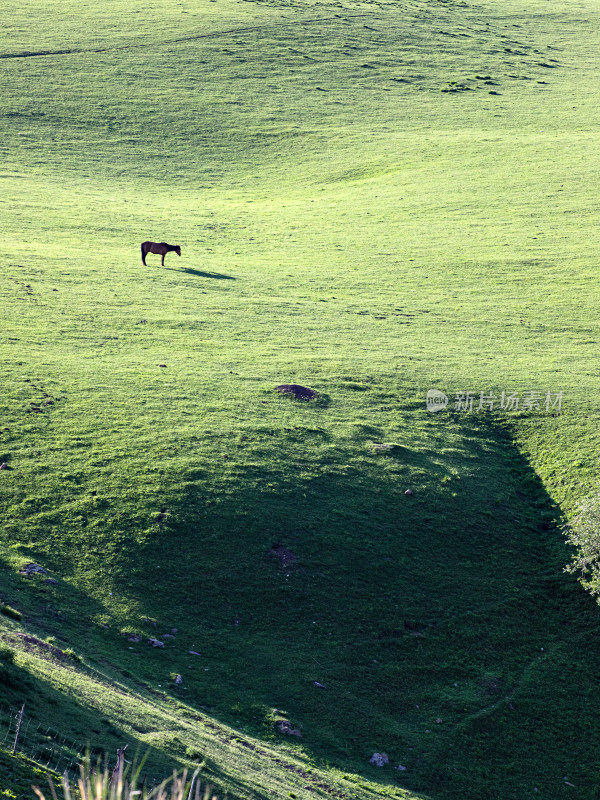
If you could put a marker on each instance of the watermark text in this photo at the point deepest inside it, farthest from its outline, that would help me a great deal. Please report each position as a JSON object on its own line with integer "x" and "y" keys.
{"x": 490, "y": 401}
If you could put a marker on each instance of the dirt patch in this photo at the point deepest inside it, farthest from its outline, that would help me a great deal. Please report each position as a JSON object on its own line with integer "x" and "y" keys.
{"x": 32, "y": 642}
{"x": 299, "y": 392}
{"x": 285, "y": 557}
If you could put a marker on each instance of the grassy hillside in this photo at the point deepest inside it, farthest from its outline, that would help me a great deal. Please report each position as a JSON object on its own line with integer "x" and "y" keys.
{"x": 373, "y": 200}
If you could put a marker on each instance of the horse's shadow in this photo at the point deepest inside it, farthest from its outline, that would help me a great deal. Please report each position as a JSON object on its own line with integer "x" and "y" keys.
{"x": 200, "y": 274}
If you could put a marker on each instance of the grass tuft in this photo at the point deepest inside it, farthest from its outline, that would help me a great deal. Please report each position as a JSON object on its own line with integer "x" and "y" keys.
{"x": 127, "y": 784}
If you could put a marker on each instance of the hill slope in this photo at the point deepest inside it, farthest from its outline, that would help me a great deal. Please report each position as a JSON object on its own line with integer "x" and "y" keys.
{"x": 372, "y": 199}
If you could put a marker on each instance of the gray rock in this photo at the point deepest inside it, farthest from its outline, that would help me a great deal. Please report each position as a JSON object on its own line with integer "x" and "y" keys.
{"x": 178, "y": 680}
{"x": 381, "y": 447}
{"x": 379, "y": 759}
{"x": 155, "y": 642}
{"x": 285, "y": 726}
{"x": 33, "y": 569}
{"x": 51, "y": 582}
{"x": 134, "y": 638}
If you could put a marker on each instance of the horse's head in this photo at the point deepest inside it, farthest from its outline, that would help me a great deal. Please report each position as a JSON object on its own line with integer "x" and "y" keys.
{"x": 178, "y": 250}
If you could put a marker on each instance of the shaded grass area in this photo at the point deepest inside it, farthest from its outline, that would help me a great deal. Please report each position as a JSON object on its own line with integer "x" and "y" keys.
{"x": 428, "y": 618}
{"x": 19, "y": 775}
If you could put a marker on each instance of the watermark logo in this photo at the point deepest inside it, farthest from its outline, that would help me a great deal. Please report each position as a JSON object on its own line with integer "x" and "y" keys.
{"x": 436, "y": 400}
{"x": 488, "y": 401}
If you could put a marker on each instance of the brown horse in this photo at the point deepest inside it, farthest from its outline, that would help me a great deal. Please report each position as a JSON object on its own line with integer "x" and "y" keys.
{"x": 160, "y": 249}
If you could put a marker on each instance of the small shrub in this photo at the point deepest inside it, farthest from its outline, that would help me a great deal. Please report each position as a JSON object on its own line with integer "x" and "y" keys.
{"x": 72, "y": 654}
{"x": 584, "y": 534}
{"x": 9, "y": 675}
{"x": 11, "y": 612}
{"x": 7, "y": 654}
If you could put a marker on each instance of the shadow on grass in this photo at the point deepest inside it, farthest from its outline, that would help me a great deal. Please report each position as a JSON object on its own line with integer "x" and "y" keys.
{"x": 201, "y": 274}
{"x": 60, "y": 728}
{"x": 440, "y": 623}
{"x": 58, "y": 733}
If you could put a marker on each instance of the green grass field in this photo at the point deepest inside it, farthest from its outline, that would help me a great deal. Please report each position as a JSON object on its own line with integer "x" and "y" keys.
{"x": 373, "y": 199}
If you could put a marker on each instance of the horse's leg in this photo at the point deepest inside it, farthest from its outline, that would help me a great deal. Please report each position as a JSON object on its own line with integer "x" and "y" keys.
{"x": 143, "y": 256}
{"x": 162, "y": 261}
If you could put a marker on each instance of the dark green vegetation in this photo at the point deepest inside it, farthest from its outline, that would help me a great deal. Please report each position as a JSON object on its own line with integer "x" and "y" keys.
{"x": 372, "y": 199}
{"x": 18, "y": 776}
{"x": 583, "y": 532}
